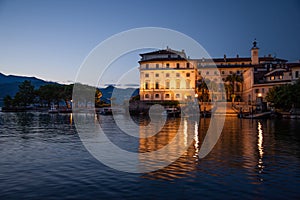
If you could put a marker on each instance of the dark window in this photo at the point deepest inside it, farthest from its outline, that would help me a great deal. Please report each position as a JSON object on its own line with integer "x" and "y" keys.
{"x": 297, "y": 74}
{"x": 167, "y": 95}
{"x": 167, "y": 75}
{"x": 256, "y": 90}
{"x": 146, "y": 75}
{"x": 177, "y": 65}
{"x": 146, "y": 85}
{"x": 157, "y": 66}
{"x": 156, "y": 75}
{"x": 156, "y": 96}
{"x": 188, "y": 75}
{"x": 157, "y": 85}
{"x": 187, "y": 65}
{"x": 147, "y": 96}
{"x": 168, "y": 65}
{"x": 147, "y": 66}
{"x": 223, "y": 72}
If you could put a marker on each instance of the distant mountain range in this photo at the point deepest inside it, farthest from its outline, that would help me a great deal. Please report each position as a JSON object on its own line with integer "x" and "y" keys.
{"x": 9, "y": 85}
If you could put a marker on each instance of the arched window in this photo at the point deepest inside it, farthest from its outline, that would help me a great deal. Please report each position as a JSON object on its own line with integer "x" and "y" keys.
{"x": 157, "y": 85}
{"x": 147, "y": 96}
{"x": 156, "y": 96}
{"x": 177, "y": 84}
{"x": 188, "y": 84}
{"x": 167, "y": 84}
{"x": 146, "y": 85}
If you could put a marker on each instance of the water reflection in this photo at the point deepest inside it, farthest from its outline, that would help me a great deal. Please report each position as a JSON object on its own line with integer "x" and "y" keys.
{"x": 237, "y": 143}
{"x": 187, "y": 161}
{"x": 260, "y": 148}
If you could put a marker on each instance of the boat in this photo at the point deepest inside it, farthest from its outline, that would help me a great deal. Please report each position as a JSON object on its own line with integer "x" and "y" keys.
{"x": 52, "y": 110}
{"x": 172, "y": 112}
{"x": 106, "y": 111}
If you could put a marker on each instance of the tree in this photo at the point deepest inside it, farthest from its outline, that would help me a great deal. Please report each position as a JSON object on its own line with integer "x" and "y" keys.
{"x": 284, "y": 96}
{"x": 8, "y": 101}
{"x": 203, "y": 90}
{"x": 26, "y": 94}
{"x": 232, "y": 80}
{"x": 98, "y": 95}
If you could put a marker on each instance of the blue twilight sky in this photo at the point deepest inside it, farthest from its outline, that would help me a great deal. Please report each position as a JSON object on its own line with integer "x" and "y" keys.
{"x": 50, "y": 39}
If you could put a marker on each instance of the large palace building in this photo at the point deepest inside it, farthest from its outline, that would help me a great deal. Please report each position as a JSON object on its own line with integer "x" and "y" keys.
{"x": 167, "y": 75}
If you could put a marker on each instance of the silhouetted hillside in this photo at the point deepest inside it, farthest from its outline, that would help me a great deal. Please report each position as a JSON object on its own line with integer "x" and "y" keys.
{"x": 9, "y": 84}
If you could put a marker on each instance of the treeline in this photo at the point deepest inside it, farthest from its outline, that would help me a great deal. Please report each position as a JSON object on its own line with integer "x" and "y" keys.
{"x": 45, "y": 95}
{"x": 285, "y": 96}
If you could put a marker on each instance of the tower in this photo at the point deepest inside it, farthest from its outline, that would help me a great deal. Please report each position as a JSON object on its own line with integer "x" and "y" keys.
{"x": 254, "y": 54}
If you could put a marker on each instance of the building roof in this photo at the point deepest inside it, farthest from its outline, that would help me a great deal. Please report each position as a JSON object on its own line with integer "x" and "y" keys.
{"x": 241, "y": 59}
{"x": 167, "y": 51}
{"x": 275, "y": 72}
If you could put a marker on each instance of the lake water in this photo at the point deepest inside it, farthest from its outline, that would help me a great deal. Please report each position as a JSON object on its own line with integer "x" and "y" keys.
{"x": 42, "y": 157}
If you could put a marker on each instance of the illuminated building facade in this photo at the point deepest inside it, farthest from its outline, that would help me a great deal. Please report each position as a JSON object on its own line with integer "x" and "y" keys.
{"x": 170, "y": 75}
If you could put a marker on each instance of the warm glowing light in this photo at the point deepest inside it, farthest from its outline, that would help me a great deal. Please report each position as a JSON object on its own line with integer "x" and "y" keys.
{"x": 185, "y": 130}
{"x": 260, "y": 140}
{"x": 260, "y": 148}
{"x": 196, "y": 138}
{"x": 259, "y": 95}
{"x": 196, "y": 95}
{"x": 71, "y": 118}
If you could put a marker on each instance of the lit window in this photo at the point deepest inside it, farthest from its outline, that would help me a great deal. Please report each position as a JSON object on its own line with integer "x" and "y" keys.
{"x": 177, "y": 84}
{"x": 188, "y": 83}
{"x": 167, "y": 84}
